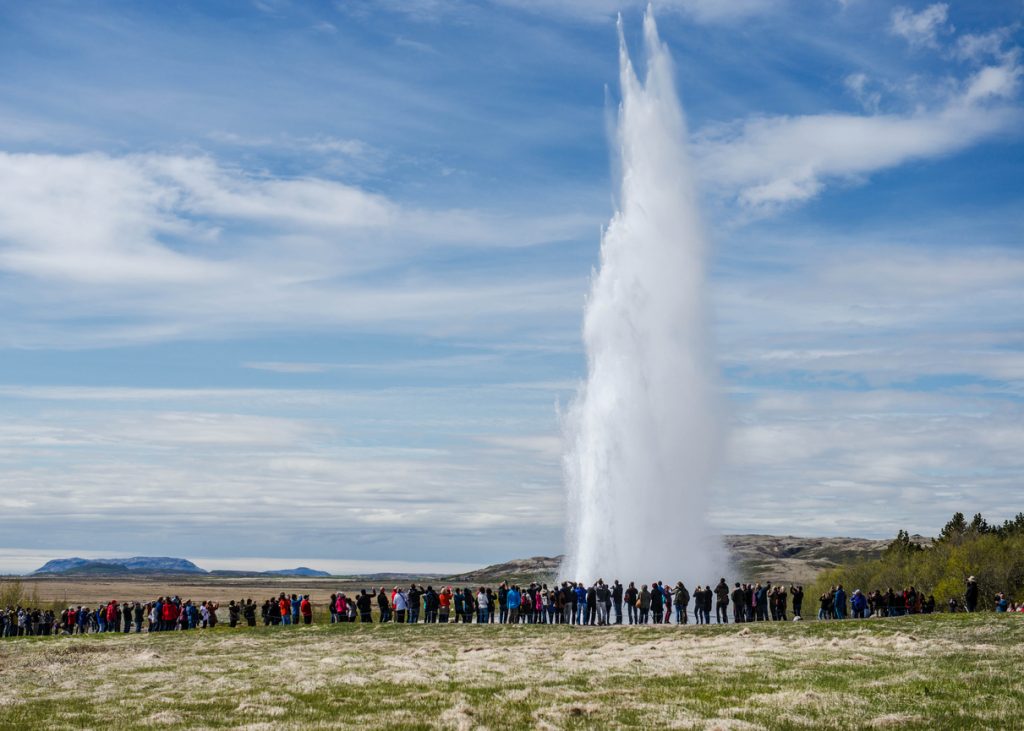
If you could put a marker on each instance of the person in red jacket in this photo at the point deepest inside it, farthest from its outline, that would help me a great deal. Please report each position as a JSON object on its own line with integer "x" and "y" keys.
{"x": 113, "y": 617}
{"x": 306, "y": 610}
{"x": 170, "y": 615}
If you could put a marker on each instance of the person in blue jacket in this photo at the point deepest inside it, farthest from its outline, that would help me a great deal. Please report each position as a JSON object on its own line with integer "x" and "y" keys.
{"x": 839, "y": 603}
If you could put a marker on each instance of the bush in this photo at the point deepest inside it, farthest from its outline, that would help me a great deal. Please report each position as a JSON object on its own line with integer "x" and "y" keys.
{"x": 993, "y": 555}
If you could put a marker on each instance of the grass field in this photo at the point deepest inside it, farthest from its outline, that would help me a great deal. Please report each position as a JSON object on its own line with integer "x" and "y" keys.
{"x": 940, "y": 671}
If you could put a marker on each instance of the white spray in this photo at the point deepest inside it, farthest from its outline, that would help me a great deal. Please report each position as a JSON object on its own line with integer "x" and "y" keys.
{"x": 642, "y": 434}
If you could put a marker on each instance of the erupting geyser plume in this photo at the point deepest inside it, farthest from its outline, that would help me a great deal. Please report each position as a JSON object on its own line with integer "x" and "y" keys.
{"x": 643, "y": 432}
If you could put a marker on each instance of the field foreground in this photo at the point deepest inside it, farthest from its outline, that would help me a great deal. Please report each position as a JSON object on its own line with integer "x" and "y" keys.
{"x": 940, "y": 671}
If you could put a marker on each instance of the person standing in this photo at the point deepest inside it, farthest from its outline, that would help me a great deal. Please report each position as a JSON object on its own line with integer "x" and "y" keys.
{"x": 657, "y": 603}
{"x": 738, "y": 613}
{"x": 384, "y": 606}
{"x": 603, "y": 595}
{"x": 798, "y": 599}
{"x": 401, "y": 605}
{"x": 617, "y": 601}
{"x": 722, "y": 602}
{"x": 413, "y": 596}
{"x": 249, "y": 612}
{"x": 512, "y": 600}
{"x": 444, "y": 604}
{"x": 971, "y": 595}
{"x": 482, "y": 603}
{"x": 839, "y": 603}
{"x": 364, "y": 605}
{"x": 632, "y": 597}
{"x": 503, "y": 603}
{"x": 682, "y": 600}
{"x": 460, "y": 604}
{"x": 761, "y": 597}
{"x": 430, "y": 605}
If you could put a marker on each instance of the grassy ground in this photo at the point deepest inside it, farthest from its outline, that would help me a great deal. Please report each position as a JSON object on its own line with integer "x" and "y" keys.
{"x": 942, "y": 671}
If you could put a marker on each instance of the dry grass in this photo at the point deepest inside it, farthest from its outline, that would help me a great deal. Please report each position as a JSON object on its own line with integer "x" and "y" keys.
{"x": 924, "y": 672}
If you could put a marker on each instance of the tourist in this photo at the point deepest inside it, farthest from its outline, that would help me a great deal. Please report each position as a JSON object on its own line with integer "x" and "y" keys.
{"x": 414, "y": 596}
{"x": 657, "y": 602}
{"x": 738, "y": 612}
{"x": 444, "y": 602}
{"x": 798, "y": 599}
{"x": 513, "y": 600}
{"x": 603, "y": 600}
{"x": 482, "y": 603}
{"x": 631, "y": 595}
{"x": 681, "y": 597}
{"x": 644, "y": 604}
{"x": 839, "y": 603}
{"x": 971, "y": 595}
{"x": 722, "y": 602}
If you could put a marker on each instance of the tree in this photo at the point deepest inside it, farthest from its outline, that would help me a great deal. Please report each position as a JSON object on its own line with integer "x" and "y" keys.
{"x": 1013, "y": 527}
{"x": 902, "y": 546}
{"x": 954, "y": 530}
{"x": 979, "y": 526}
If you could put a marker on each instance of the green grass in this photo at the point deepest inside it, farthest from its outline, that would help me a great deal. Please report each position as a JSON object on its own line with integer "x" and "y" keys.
{"x": 940, "y": 671}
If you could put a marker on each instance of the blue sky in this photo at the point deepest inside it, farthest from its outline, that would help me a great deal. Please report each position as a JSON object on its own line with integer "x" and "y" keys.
{"x": 302, "y": 280}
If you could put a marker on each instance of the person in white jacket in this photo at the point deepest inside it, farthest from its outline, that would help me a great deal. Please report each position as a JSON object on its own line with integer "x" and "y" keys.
{"x": 401, "y": 606}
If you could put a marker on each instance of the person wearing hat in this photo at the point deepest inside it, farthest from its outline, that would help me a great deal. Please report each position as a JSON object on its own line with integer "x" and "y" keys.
{"x": 971, "y": 594}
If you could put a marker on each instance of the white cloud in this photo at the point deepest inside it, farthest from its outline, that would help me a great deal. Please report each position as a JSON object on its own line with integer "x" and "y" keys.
{"x": 183, "y": 245}
{"x": 923, "y": 28}
{"x": 859, "y": 85}
{"x": 415, "y": 45}
{"x": 979, "y": 47}
{"x": 802, "y": 461}
{"x": 877, "y": 314}
{"x": 338, "y": 469}
{"x": 994, "y": 82}
{"x": 769, "y": 161}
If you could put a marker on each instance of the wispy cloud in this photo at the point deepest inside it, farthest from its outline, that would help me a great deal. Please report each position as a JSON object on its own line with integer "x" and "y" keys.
{"x": 768, "y": 161}
{"x": 922, "y": 28}
{"x": 186, "y": 242}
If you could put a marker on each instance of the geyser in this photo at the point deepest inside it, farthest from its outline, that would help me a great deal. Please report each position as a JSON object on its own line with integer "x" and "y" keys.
{"x": 642, "y": 433}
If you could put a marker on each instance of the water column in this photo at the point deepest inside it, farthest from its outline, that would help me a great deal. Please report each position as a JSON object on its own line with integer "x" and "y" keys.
{"x": 643, "y": 432}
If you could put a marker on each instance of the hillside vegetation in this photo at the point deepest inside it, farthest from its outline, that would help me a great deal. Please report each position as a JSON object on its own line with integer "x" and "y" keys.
{"x": 993, "y": 554}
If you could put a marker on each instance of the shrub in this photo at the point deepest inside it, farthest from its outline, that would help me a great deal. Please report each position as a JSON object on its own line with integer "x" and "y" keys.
{"x": 993, "y": 555}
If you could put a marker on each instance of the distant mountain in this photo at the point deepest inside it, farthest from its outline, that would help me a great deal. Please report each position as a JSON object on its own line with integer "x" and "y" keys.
{"x": 792, "y": 559}
{"x": 300, "y": 571}
{"x": 520, "y": 571}
{"x": 134, "y": 565}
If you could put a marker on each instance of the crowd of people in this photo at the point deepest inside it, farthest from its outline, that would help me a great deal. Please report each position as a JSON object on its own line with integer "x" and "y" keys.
{"x": 571, "y": 603}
